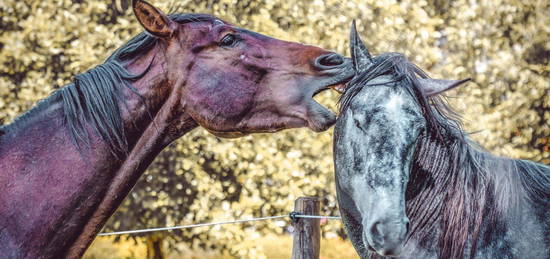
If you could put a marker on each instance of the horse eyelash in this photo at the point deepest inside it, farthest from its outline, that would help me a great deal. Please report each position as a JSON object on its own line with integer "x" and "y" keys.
{"x": 237, "y": 37}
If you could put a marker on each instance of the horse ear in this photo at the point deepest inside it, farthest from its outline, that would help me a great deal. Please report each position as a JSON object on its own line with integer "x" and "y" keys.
{"x": 431, "y": 87}
{"x": 153, "y": 20}
{"x": 359, "y": 52}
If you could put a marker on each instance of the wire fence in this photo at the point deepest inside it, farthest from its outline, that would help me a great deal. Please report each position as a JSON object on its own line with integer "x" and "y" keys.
{"x": 293, "y": 216}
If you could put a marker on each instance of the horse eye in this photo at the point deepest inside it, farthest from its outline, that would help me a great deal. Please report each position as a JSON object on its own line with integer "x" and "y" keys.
{"x": 228, "y": 40}
{"x": 357, "y": 124}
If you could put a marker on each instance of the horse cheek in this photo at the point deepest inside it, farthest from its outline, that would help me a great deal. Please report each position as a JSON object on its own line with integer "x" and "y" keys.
{"x": 220, "y": 100}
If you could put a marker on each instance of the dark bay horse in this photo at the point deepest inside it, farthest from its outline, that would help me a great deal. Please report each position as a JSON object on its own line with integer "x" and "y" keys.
{"x": 67, "y": 164}
{"x": 410, "y": 183}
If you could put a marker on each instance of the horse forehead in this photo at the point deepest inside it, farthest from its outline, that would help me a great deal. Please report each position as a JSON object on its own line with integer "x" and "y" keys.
{"x": 395, "y": 102}
{"x": 375, "y": 96}
{"x": 205, "y": 26}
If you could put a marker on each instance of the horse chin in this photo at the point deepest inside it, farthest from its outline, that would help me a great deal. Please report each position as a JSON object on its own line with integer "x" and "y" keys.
{"x": 319, "y": 118}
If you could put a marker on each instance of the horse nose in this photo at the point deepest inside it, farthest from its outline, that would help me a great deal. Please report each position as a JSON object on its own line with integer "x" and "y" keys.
{"x": 328, "y": 61}
{"x": 388, "y": 237}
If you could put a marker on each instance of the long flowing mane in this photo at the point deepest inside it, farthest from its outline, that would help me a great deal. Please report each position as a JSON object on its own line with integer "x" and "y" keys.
{"x": 94, "y": 97}
{"x": 456, "y": 188}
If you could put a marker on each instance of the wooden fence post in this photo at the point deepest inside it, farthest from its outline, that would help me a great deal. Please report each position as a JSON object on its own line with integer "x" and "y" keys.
{"x": 307, "y": 233}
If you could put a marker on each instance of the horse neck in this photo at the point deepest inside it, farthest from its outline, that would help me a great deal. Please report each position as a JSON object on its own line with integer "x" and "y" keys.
{"x": 168, "y": 123}
{"x": 453, "y": 193}
{"x": 62, "y": 176}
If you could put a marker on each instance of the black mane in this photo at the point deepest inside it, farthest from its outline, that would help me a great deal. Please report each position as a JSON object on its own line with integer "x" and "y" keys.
{"x": 455, "y": 186}
{"x": 440, "y": 117}
{"x": 94, "y": 97}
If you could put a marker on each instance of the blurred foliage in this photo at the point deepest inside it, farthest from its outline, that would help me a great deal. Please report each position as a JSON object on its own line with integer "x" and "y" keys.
{"x": 503, "y": 45}
{"x": 273, "y": 246}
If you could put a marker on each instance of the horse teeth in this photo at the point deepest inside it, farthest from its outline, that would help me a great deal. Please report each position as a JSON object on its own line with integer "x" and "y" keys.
{"x": 339, "y": 88}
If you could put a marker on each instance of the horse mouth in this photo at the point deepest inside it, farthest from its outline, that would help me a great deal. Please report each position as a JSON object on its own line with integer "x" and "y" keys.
{"x": 339, "y": 88}
{"x": 370, "y": 248}
{"x": 319, "y": 117}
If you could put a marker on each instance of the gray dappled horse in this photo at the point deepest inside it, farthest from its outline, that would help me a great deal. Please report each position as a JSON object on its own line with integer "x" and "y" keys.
{"x": 410, "y": 183}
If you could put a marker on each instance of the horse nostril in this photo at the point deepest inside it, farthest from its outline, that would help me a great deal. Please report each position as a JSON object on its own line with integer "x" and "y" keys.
{"x": 330, "y": 60}
{"x": 376, "y": 232}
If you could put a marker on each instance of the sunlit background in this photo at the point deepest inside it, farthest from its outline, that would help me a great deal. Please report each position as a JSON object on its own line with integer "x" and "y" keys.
{"x": 503, "y": 45}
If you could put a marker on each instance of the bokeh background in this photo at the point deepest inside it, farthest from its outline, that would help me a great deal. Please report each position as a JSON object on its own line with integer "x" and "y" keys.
{"x": 503, "y": 45}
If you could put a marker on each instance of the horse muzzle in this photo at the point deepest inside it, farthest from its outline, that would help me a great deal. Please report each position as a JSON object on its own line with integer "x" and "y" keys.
{"x": 386, "y": 238}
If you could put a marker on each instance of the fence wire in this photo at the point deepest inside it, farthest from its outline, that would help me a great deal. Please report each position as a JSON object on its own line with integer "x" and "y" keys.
{"x": 216, "y": 223}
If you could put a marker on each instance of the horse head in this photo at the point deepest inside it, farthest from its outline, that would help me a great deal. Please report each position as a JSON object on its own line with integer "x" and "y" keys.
{"x": 375, "y": 139}
{"x": 233, "y": 82}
